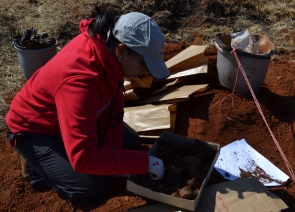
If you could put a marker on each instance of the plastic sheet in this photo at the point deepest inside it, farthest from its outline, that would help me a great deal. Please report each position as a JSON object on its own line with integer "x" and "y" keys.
{"x": 245, "y": 41}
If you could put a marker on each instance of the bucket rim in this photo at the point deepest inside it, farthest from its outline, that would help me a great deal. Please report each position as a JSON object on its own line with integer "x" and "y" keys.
{"x": 21, "y": 48}
{"x": 242, "y": 53}
{"x": 224, "y": 48}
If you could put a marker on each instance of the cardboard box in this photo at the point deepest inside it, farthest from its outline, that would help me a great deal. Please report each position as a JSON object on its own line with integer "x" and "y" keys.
{"x": 168, "y": 199}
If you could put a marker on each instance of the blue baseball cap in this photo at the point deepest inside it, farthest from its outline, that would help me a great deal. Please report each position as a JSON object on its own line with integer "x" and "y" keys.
{"x": 142, "y": 34}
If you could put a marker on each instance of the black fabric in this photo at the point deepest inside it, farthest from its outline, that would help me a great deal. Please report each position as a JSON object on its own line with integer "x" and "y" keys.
{"x": 47, "y": 162}
{"x": 47, "y": 156}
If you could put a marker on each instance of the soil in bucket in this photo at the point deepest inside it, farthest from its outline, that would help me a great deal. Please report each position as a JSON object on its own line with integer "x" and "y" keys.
{"x": 34, "y": 51}
{"x": 254, "y": 65}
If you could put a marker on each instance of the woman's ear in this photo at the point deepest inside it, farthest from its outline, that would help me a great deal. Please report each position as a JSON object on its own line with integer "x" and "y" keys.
{"x": 120, "y": 50}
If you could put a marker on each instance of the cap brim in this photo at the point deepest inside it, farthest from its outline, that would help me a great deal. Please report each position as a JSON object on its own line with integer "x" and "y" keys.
{"x": 157, "y": 68}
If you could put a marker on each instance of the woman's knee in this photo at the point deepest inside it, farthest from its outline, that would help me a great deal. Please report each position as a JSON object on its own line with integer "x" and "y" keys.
{"x": 83, "y": 193}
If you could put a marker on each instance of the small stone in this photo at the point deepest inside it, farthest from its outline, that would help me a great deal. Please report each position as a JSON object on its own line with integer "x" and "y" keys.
{"x": 197, "y": 191}
{"x": 175, "y": 194}
{"x": 193, "y": 183}
{"x": 186, "y": 193}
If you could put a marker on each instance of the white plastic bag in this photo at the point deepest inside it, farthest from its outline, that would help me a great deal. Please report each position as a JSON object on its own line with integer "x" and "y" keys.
{"x": 245, "y": 41}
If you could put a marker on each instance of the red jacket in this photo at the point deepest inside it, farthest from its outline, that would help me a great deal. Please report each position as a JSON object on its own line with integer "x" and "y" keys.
{"x": 71, "y": 96}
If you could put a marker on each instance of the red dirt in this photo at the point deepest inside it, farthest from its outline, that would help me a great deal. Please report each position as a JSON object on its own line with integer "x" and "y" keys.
{"x": 202, "y": 117}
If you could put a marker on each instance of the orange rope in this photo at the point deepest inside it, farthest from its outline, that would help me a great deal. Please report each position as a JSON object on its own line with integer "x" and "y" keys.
{"x": 263, "y": 117}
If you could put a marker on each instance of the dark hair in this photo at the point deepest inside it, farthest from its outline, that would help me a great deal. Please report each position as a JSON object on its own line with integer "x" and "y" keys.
{"x": 105, "y": 21}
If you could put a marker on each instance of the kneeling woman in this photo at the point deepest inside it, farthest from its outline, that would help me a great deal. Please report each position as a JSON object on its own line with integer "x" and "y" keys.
{"x": 67, "y": 121}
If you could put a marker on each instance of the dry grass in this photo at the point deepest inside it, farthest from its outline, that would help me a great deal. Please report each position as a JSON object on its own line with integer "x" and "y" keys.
{"x": 60, "y": 19}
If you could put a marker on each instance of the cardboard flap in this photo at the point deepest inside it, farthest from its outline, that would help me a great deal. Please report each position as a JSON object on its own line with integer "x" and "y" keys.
{"x": 198, "y": 41}
{"x": 148, "y": 117}
{"x": 270, "y": 198}
{"x": 191, "y": 57}
{"x": 243, "y": 195}
{"x": 175, "y": 95}
{"x": 201, "y": 69}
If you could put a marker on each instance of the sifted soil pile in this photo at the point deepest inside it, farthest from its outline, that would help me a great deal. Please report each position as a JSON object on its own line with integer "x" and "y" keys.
{"x": 202, "y": 117}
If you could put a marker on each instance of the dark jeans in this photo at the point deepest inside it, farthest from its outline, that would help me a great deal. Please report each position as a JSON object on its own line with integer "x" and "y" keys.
{"x": 47, "y": 161}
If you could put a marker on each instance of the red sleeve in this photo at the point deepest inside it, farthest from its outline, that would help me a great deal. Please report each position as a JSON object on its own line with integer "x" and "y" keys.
{"x": 77, "y": 103}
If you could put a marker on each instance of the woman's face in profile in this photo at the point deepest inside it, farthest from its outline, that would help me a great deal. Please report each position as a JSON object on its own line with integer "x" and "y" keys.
{"x": 132, "y": 63}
